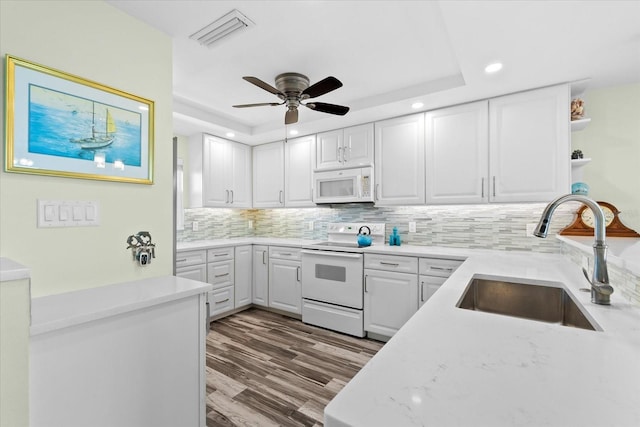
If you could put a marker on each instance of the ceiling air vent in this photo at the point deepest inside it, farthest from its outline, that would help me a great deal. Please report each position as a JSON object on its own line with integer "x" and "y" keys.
{"x": 230, "y": 23}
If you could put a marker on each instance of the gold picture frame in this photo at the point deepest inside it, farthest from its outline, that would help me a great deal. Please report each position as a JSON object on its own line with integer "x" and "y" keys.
{"x": 59, "y": 124}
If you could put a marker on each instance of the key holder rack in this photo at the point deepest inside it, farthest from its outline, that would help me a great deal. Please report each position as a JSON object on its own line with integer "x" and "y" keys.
{"x": 141, "y": 247}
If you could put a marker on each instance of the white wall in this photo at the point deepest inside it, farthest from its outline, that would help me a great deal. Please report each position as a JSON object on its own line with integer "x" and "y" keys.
{"x": 612, "y": 141}
{"x": 95, "y": 41}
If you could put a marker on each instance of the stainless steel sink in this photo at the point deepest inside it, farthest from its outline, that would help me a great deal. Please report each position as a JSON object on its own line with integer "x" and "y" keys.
{"x": 547, "y": 302}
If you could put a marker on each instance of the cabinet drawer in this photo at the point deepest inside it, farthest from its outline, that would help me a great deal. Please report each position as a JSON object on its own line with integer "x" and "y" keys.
{"x": 193, "y": 272}
{"x": 284, "y": 253}
{"x": 439, "y": 267}
{"x": 220, "y": 254}
{"x": 220, "y": 300}
{"x": 184, "y": 258}
{"x": 220, "y": 274}
{"x": 402, "y": 264}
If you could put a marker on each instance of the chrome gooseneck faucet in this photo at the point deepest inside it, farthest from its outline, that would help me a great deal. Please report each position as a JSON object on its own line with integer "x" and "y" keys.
{"x": 600, "y": 288}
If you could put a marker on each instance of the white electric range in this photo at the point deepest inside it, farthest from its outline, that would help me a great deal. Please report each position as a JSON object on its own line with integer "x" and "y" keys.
{"x": 332, "y": 277}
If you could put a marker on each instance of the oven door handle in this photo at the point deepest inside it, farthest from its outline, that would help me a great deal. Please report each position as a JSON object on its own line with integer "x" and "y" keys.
{"x": 333, "y": 254}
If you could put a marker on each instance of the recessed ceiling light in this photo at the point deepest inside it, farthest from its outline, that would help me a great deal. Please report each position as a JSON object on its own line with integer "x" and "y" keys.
{"x": 293, "y": 132}
{"x": 417, "y": 105}
{"x": 230, "y": 134}
{"x": 493, "y": 68}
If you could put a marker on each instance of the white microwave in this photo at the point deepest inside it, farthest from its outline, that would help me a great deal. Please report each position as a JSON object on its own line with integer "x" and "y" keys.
{"x": 343, "y": 186}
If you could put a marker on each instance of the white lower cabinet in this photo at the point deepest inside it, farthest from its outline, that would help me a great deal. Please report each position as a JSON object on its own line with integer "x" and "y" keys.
{"x": 285, "y": 279}
{"x": 220, "y": 300}
{"x": 260, "y": 275}
{"x": 428, "y": 286}
{"x": 192, "y": 265}
{"x": 242, "y": 275}
{"x": 389, "y": 300}
{"x": 433, "y": 273}
{"x": 193, "y": 272}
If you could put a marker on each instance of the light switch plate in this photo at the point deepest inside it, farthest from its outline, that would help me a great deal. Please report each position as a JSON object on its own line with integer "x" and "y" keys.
{"x": 412, "y": 226}
{"x": 68, "y": 213}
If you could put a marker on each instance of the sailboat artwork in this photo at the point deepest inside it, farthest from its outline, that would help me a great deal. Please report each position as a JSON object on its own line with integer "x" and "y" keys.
{"x": 98, "y": 138}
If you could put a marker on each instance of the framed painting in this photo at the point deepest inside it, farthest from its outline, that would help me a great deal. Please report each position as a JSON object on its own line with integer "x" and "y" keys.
{"x": 59, "y": 124}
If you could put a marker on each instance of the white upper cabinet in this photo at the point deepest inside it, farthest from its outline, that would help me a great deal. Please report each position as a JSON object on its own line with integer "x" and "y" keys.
{"x": 268, "y": 175}
{"x": 220, "y": 173}
{"x": 345, "y": 148}
{"x": 529, "y": 145}
{"x": 299, "y": 161}
{"x": 400, "y": 161}
{"x": 457, "y": 162}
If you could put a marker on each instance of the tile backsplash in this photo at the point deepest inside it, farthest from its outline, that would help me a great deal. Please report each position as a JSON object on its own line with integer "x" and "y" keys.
{"x": 494, "y": 226}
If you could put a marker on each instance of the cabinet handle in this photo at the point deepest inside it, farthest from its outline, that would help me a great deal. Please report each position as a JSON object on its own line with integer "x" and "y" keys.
{"x": 221, "y": 275}
{"x": 482, "y": 185}
{"x": 181, "y": 260}
{"x": 263, "y": 259}
{"x": 344, "y": 153}
{"x": 226, "y": 200}
{"x": 215, "y": 255}
{"x": 494, "y": 186}
{"x": 280, "y": 196}
{"x": 298, "y": 273}
{"x": 339, "y": 154}
{"x": 440, "y": 268}
{"x": 393, "y": 264}
{"x": 376, "y": 192}
{"x": 421, "y": 291}
{"x": 231, "y": 196}
{"x": 365, "y": 283}
{"x": 285, "y": 254}
{"x": 224, "y": 300}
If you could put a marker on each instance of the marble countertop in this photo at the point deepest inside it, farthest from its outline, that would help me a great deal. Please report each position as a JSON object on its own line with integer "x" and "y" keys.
{"x": 11, "y": 270}
{"x": 58, "y": 311}
{"x": 453, "y": 367}
{"x": 238, "y": 241}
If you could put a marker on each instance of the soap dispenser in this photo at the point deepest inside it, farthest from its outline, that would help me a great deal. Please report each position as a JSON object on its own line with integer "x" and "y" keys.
{"x": 394, "y": 238}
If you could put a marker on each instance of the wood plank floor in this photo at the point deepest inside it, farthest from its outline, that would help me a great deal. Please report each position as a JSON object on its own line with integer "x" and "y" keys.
{"x": 265, "y": 369}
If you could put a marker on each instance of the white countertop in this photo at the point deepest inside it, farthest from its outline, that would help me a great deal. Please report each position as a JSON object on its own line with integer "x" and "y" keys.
{"x": 11, "y": 270}
{"x": 59, "y": 311}
{"x": 220, "y": 243}
{"x": 453, "y": 367}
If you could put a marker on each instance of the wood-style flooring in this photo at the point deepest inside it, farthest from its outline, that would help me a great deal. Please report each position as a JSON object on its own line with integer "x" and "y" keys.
{"x": 265, "y": 369}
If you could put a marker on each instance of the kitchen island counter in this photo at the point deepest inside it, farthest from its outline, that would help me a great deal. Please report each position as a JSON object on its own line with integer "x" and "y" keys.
{"x": 452, "y": 367}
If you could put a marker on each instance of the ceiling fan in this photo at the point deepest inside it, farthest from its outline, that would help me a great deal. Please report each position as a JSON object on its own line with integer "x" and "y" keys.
{"x": 292, "y": 89}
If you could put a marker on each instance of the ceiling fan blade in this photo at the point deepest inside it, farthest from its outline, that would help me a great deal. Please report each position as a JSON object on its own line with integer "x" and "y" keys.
{"x": 291, "y": 116}
{"x": 339, "y": 110}
{"x": 262, "y": 104}
{"x": 266, "y": 86}
{"x": 322, "y": 87}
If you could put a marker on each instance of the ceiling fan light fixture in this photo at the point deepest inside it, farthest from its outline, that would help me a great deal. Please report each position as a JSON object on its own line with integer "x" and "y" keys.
{"x": 223, "y": 27}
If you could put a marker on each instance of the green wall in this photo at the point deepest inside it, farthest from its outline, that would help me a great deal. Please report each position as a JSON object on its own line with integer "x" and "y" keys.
{"x": 96, "y": 41}
{"x": 612, "y": 141}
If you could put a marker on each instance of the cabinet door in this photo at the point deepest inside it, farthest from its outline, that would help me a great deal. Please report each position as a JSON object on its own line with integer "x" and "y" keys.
{"x": 268, "y": 175}
{"x": 457, "y": 157}
{"x": 242, "y": 275}
{"x": 285, "y": 290}
{"x": 428, "y": 286}
{"x": 216, "y": 169}
{"x": 399, "y": 167}
{"x": 358, "y": 145}
{"x": 529, "y": 145}
{"x": 261, "y": 275}
{"x": 220, "y": 301}
{"x": 193, "y": 272}
{"x": 299, "y": 159}
{"x": 240, "y": 187}
{"x": 390, "y": 299}
{"x": 329, "y": 150}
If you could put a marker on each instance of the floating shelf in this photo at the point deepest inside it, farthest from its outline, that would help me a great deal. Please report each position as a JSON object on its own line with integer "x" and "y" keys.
{"x": 577, "y": 163}
{"x": 577, "y": 125}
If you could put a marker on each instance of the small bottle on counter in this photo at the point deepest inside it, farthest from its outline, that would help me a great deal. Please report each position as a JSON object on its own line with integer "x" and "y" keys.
{"x": 394, "y": 238}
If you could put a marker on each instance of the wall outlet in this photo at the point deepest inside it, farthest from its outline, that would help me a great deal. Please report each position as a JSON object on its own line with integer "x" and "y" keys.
{"x": 310, "y": 225}
{"x": 412, "y": 226}
{"x": 530, "y": 229}
{"x": 250, "y": 224}
{"x": 194, "y": 226}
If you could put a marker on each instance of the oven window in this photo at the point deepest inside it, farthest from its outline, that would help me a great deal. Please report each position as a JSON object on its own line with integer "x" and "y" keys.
{"x": 344, "y": 187}
{"x": 331, "y": 272}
